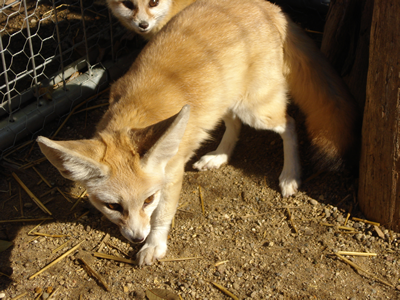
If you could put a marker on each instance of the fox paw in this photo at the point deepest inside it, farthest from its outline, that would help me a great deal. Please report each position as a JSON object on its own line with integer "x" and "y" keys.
{"x": 211, "y": 161}
{"x": 150, "y": 253}
{"x": 289, "y": 187}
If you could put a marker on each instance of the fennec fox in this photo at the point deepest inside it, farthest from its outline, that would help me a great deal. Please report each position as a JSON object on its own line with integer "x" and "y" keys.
{"x": 146, "y": 17}
{"x": 230, "y": 60}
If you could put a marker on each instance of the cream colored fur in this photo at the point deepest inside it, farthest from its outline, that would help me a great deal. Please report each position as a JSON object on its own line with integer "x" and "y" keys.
{"x": 156, "y": 17}
{"x": 231, "y": 60}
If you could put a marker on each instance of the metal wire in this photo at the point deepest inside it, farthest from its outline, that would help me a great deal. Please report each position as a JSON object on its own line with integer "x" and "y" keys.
{"x": 41, "y": 45}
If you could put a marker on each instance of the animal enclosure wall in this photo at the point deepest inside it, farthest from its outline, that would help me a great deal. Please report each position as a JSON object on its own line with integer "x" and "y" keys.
{"x": 53, "y": 55}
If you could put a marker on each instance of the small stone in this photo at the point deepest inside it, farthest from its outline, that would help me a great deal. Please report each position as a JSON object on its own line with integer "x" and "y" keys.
{"x": 2, "y": 295}
{"x": 139, "y": 294}
{"x": 126, "y": 289}
{"x": 236, "y": 286}
{"x": 398, "y": 287}
{"x": 314, "y": 202}
{"x": 359, "y": 237}
{"x": 240, "y": 274}
{"x": 340, "y": 219}
{"x": 45, "y": 295}
{"x": 38, "y": 290}
{"x": 327, "y": 213}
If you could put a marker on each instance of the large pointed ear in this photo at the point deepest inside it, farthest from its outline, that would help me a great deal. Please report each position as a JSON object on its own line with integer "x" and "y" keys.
{"x": 75, "y": 159}
{"x": 168, "y": 144}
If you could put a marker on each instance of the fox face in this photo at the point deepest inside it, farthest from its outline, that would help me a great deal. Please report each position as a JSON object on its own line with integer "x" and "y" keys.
{"x": 140, "y": 16}
{"x": 128, "y": 204}
{"x": 124, "y": 172}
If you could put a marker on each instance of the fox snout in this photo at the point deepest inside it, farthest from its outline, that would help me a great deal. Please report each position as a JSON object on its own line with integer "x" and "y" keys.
{"x": 134, "y": 236}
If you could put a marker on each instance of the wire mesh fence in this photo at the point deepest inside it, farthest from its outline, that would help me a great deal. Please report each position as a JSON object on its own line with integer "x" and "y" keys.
{"x": 53, "y": 55}
{"x": 56, "y": 53}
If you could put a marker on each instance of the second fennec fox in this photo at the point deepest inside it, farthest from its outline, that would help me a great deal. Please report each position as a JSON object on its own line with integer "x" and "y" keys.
{"x": 146, "y": 17}
{"x": 230, "y": 60}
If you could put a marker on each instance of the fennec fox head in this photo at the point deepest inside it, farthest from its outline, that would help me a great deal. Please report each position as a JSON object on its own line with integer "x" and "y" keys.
{"x": 124, "y": 173}
{"x": 140, "y": 16}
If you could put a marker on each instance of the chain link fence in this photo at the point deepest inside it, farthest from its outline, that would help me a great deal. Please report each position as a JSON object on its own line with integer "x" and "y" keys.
{"x": 53, "y": 55}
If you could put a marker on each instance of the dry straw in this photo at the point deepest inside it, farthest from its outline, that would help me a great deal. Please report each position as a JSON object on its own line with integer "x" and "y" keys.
{"x": 56, "y": 260}
{"x": 361, "y": 269}
{"x": 95, "y": 274}
{"x": 116, "y": 258}
{"x": 224, "y": 290}
{"x": 33, "y": 197}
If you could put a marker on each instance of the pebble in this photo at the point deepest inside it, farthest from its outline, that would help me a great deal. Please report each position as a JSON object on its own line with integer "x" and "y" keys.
{"x": 398, "y": 287}
{"x": 45, "y": 295}
{"x": 314, "y": 202}
{"x": 2, "y": 295}
{"x": 340, "y": 219}
{"x": 327, "y": 213}
{"x": 254, "y": 295}
{"x": 359, "y": 237}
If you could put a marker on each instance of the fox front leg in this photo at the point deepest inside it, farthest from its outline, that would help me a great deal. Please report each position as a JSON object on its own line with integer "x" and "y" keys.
{"x": 155, "y": 246}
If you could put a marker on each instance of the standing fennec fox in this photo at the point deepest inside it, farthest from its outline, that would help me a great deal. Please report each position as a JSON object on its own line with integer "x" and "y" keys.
{"x": 230, "y": 60}
{"x": 146, "y": 17}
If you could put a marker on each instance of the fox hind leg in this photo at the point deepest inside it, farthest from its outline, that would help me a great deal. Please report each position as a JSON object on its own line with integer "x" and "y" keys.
{"x": 272, "y": 116}
{"x": 289, "y": 180}
{"x": 215, "y": 159}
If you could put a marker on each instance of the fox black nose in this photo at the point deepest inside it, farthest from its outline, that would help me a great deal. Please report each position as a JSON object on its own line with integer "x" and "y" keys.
{"x": 143, "y": 24}
{"x": 139, "y": 240}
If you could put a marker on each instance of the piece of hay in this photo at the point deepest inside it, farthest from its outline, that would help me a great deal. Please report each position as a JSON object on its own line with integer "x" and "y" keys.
{"x": 19, "y": 296}
{"x": 291, "y": 220}
{"x": 79, "y": 199}
{"x": 224, "y": 290}
{"x": 356, "y": 253}
{"x": 24, "y": 220}
{"x": 94, "y": 273}
{"x": 60, "y": 247}
{"x": 179, "y": 259}
{"x": 62, "y": 194}
{"x": 361, "y": 269}
{"x": 31, "y": 195}
{"x": 201, "y": 200}
{"x": 220, "y": 263}
{"x": 105, "y": 240}
{"x": 365, "y": 221}
{"x": 42, "y": 177}
{"x": 116, "y": 258}
{"x": 56, "y": 260}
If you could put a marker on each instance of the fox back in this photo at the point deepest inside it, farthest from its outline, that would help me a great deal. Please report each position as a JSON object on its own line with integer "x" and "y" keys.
{"x": 230, "y": 60}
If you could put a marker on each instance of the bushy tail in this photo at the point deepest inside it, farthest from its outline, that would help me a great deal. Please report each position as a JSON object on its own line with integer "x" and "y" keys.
{"x": 331, "y": 112}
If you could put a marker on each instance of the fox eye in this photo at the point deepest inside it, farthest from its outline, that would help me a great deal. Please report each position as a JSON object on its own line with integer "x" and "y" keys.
{"x": 114, "y": 206}
{"x": 153, "y": 3}
{"x": 128, "y": 4}
{"x": 148, "y": 201}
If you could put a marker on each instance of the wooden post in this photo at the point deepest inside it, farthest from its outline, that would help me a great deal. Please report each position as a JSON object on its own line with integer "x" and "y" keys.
{"x": 379, "y": 186}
